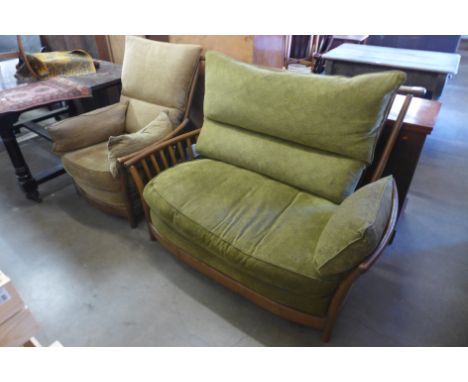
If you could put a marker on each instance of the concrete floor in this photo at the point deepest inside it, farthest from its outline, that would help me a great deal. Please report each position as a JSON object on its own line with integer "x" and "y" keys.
{"x": 92, "y": 281}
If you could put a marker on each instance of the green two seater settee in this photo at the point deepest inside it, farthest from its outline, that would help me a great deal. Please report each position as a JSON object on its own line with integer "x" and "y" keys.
{"x": 265, "y": 202}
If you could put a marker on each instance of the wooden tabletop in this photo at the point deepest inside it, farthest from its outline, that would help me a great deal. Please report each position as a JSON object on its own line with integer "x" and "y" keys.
{"x": 398, "y": 58}
{"x": 421, "y": 116}
{"x": 107, "y": 74}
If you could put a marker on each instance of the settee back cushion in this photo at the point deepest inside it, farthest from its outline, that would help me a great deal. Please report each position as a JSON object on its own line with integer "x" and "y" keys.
{"x": 156, "y": 76}
{"x": 334, "y": 122}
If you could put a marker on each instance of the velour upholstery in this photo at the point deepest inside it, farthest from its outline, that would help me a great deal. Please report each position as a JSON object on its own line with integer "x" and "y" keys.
{"x": 272, "y": 202}
{"x": 255, "y": 226}
{"x": 311, "y": 170}
{"x": 126, "y": 144}
{"x": 90, "y": 166}
{"x": 165, "y": 85}
{"x": 355, "y": 228}
{"x": 89, "y": 128}
{"x": 140, "y": 113}
{"x": 156, "y": 82}
{"x": 331, "y": 113}
{"x": 316, "y": 133}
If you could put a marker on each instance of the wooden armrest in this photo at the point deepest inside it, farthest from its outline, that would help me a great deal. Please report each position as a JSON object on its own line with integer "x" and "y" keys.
{"x": 387, "y": 236}
{"x": 148, "y": 163}
{"x": 417, "y": 91}
{"x": 172, "y": 134}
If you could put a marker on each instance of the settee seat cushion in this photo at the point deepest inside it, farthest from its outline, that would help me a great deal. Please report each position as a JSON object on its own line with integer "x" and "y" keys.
{"x": 253, "y": 229}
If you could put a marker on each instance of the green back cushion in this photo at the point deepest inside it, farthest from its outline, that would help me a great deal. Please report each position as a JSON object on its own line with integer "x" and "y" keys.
{"x": 355, "y": 228}
{"x": 327, "y": 175}
{"x": 325, "y": 118}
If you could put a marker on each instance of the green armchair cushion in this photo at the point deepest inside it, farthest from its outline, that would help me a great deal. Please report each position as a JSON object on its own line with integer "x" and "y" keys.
{"x": 323, "y": 174}
{"x": 255, "y": 230}
{"x": 330, "y": 113}
{"x": 126, "y": 144}
{"x": 89, "y": 128}
{"x": 355, "y": 228}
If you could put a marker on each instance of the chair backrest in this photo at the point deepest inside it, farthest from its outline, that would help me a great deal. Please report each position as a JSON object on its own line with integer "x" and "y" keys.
{"x": 156, "y": 76}
{"x": 316, "y": 133}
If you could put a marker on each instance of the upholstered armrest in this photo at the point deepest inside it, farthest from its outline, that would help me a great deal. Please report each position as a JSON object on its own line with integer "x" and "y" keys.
{"x": 148, "y": 163}
{"x": 89, "y": 128}
{"x": 357, "y": 228}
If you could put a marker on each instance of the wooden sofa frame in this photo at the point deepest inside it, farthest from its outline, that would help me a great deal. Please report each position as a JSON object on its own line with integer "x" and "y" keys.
{"x": 162, "y": 156}
{"x": 130, "y": 214}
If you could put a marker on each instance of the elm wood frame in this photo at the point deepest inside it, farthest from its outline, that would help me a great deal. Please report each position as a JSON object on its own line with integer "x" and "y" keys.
{"x": 157, "y": 158}
{"x": 129, "y": 211}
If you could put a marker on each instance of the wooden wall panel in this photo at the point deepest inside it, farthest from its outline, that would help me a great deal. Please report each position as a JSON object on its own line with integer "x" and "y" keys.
{"x": 239, "y": 47}
{"x": 269, "y": 50}
{"x": 117, "y": 47}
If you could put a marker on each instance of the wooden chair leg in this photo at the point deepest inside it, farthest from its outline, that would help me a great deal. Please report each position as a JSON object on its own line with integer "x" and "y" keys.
{"x": 151, "y": 234}
{"x": 131, "y": 218}
{"x": 128, "y": 202}
{"x": 327, "y": 331}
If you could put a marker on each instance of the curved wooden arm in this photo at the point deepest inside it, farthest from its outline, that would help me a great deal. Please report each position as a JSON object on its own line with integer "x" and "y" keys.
{"x": 417, "y": 91}
{"x": 364, "y": 266}
{"x": 392, "y": 140}
{"x": 172, "y": 134}
{"x": 149, "y": 162}
{"x": 387, "y": 236}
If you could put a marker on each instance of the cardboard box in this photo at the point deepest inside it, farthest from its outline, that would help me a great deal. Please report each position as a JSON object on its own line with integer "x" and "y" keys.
{"x": 18, "y": 329}
{"x": 10, "y": 301}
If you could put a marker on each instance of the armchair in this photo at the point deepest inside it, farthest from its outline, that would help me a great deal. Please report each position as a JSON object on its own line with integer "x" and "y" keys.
{"x": 158, "y": 80}
{"x": 263, "y": 197}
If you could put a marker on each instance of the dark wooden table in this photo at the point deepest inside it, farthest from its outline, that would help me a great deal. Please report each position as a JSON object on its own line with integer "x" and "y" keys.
{"x": 105, "y": 87}
{"x": 418, "y": 124}
{"x": 423, "y": 68}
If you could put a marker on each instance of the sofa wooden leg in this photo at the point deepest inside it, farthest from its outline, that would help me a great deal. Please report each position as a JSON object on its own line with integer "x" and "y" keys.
{"x": 131, "y": 218}
{"x": 151, "y": 234}
{"x": 327, "y": 331}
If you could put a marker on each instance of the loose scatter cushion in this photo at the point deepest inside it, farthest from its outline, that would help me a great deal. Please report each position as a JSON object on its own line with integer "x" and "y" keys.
{"x": 127, "y": 144}
{"x": 355, "y": 228}
{"x": 89, "y": 128}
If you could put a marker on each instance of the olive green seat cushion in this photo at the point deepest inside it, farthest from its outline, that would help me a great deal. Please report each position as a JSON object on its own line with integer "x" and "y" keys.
{"x": 249, "y": 227}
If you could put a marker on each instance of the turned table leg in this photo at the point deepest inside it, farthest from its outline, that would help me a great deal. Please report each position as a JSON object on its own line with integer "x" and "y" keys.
{"x": 23, "y": 175}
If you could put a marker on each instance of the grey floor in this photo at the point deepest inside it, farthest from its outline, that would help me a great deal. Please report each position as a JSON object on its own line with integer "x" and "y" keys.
{"x": 92, "y": 281}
